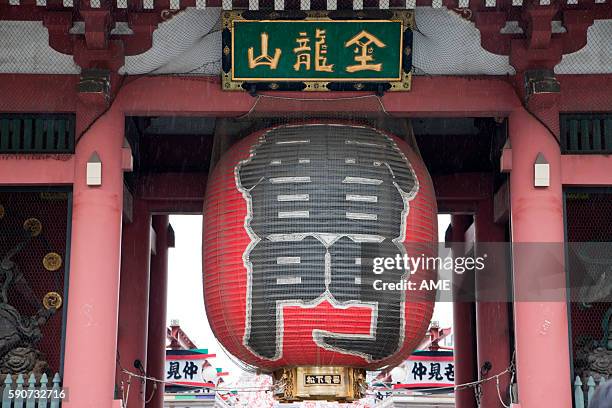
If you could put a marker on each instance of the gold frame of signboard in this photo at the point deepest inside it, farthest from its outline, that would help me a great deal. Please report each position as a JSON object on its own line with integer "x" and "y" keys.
{"x": 378, "y": 85}
{"x": 329, "y": 383}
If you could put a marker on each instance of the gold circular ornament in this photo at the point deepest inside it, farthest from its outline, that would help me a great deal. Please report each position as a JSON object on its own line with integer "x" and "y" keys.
{"x": 2, "y": 211}
{"x": 33, "y": 226}
{"x": 52, "y": 261}
{"x": 52, "y": 300}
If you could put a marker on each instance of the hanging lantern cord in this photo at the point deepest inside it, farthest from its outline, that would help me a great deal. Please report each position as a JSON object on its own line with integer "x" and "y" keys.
{"x": 217, "y": 389}
{"x": 474, "y": 384}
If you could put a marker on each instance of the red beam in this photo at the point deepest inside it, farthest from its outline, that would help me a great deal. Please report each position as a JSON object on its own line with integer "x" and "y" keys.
{"x": 463, "y": 186}
{"x": 460, "y": 193}
{"x": 181, "y": 96}
{"x": 172, "y": 193}
{"x": 36, "y": 169}
{"x": 585, "y": 93}
{"x": 457, "y": 207}
{"x": 430, "y": 96}
{"x": 171, "y": 186}
{"x": 36, "y": 93}
{"x": 586, "y": 170}
{"x": 161, "y": 207}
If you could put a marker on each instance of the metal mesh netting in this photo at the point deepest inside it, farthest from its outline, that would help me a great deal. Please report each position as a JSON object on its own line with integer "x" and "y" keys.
{"x": 190, "y": 43}
{"x": 33, "y": 245}
{"x": 589, "y": 220}
{"x": 24, "y": 48}
{"x": 595, "y": 57}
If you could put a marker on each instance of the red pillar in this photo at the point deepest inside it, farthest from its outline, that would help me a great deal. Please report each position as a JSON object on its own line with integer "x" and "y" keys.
{"x": 463, "y": 320}
{"x": 156, "y": 356}
{"x": 134, "y": 301}
{"x": 492, "y": 329}
{"x": 541, "y": 325}
{"x": 93, "y": 298}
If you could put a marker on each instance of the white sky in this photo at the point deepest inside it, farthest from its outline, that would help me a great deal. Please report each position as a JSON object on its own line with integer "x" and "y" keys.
{"x": 185, "y": 299}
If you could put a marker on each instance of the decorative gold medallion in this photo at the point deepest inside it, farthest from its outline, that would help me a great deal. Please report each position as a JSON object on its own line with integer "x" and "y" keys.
{"x": 33, "y": 226}
{"x": 52, "y": 300}
{"x": 2, "y": 211}
{"x": 52, "y": 261}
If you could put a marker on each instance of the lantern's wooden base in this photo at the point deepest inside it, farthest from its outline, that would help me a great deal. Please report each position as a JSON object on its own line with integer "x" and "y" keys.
{"x": 341, "y": 384}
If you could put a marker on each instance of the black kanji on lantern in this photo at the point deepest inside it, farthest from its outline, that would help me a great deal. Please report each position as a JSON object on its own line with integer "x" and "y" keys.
{"x": 316, "y": 194}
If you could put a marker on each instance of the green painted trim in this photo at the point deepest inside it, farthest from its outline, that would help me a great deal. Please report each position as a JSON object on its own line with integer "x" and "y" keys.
{"x": 37, "y": 133}
{"x": 586, "y": 133}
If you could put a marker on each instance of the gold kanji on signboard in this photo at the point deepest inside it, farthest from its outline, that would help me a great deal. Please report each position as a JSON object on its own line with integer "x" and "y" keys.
{"x": 363, "y": 42}
{"x": 264, "y": 58}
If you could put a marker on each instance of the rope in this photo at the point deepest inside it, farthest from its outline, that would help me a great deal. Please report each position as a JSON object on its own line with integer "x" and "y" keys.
{"x": 473, "y": 384}
{"x": 458, "y": 387}
{"x": 501, "y": 400}
{"x": 152, "y": 394}
{"x": 217, "y": 389}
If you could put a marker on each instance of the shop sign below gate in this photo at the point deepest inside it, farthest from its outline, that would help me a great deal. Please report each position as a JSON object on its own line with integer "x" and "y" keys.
{"x": 317, "y": 52}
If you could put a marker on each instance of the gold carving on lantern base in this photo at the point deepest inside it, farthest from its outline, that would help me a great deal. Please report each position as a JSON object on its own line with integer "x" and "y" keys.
{"x": 341, "y": 384}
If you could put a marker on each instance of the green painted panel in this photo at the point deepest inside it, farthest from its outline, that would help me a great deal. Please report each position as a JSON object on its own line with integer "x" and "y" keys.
{"x": 61, "y": 134}
{"x": 50, "y": 139}
{"x": 573, "y": 136}
{"x": 584, "y": 135}
{"x": 298, "y": 50}
{"x": 563, "y": 132}
{"x": 4, "y": 134}
{"x": 27, "y": 134}
{"x": 608, "y": 134}
{"x": 597, "y": 135}
{"x": 37, "y": 133}
{"x": 71, "y": 137}
{"x": 16, "y": 138}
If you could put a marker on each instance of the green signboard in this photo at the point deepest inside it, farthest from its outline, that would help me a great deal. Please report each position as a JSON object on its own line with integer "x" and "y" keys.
{"x": 317, "y": 53}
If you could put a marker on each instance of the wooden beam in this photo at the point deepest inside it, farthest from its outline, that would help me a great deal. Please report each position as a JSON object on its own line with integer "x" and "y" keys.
{"x": 36, "y": 169}
{"x": 439, "y": 96}
{"x": 171, "y": 186}
{"x": 462, "y": 186}
{"x": 172, "y": 193}
{"x": 586, "y": 170}
{"x": 37, "y": 93}
{"x": 166, "y": 207}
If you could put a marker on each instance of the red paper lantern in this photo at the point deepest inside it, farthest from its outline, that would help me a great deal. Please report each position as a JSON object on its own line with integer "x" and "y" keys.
{"x": 288, "y": 215}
